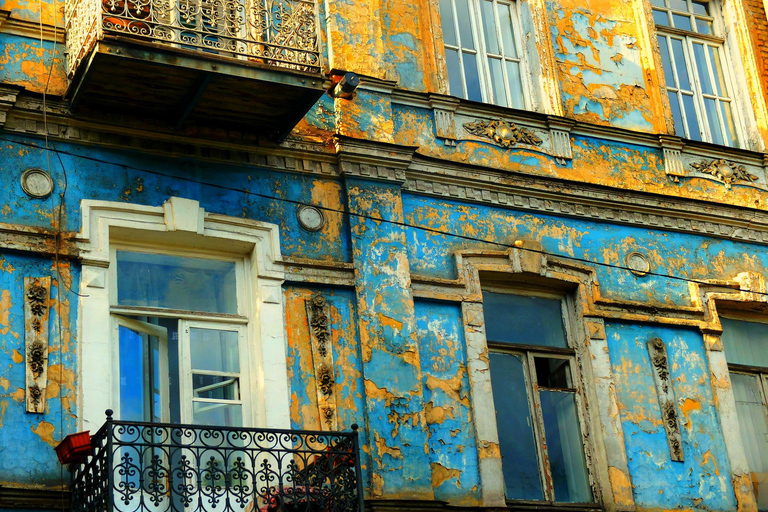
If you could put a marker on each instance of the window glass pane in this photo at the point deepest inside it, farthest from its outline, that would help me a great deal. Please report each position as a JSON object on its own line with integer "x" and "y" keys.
{"x": 666, "y": 62}
{"x": 513, "y": 419}
{"x": 564, "y": 447}
{"x": 713, "y": 120}
{"x": 681, "y": 22}
{"x": 660, "y": 18}
{"x": 446, "y": 17}
{"x": 700, "y": 8}
{"x": 465, "y": 24}
{"x": 222, "y": 415}
{"x": 745, "y": 342}
{"x": 702, "y": 68}
{"x": 507, "y": 30}
{"x": 714, "y": 58}
{"x": 214, "y": 350}
{"x": 690, "y": 114}
{"x": 674, "y": 104}
{"x": 497, "y": 81}
{"x": 753, "y": 427}
{"x": 176, "y": 282}
{"x": 681, "y": 65}
{"x": 526, "y": 320}
{"x": 553, "y": 373}
{"x": 215, "y": 387}
{"x": 471, "y": 75}
{"x": 454, "y": 72}
{"x": 659, "y": 3}
{"x": 134, "y": 395}
{"x": 730, "y": 129}
{"x": 703, "y": 26}
{"x": 678, "y": 5}
{"x": 515, "y": 85}
{"x": 489, "y": 29}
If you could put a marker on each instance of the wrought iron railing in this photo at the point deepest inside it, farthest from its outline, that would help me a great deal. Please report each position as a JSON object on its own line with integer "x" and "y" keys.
{"x": 281, "y": 33}
{"x": 154, "y": 467}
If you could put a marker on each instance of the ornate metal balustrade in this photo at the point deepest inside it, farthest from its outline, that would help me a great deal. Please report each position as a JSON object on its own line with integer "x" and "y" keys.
{"x": 153, "y": 467}
{"x": 281, "y": 33}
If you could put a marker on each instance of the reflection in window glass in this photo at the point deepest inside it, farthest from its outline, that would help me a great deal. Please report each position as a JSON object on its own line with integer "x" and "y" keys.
{"x": 751, "y": 412}
{"x": 564, "y": 447}
{"x": 530, "y": 372}
{"x": 484, "y": 61}
{"x": 694, "y": 75}
{"x": 745, "y": 342}
{"x": 524, "y": 320}
{"x": 516, "y": 441}
{"x": 176, "y": 282}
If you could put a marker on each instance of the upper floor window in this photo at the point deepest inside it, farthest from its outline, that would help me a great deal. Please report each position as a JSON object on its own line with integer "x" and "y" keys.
{"x": 181, "y": 341}
{"x": 537, "y": 398}
{"x": 695, "y": 70}
{"x": 747, "y": 356}
{"x": 484, "y": 52}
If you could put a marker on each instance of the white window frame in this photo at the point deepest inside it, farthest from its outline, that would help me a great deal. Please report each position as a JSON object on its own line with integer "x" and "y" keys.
{"x": 181, "y": 226}
{"x": 188, "y": 319}
{"x": 758, "y": 372}
{"x": 688, "y": 39}
{"x": 483, "y": 57}
{"x": 531, "y": 383}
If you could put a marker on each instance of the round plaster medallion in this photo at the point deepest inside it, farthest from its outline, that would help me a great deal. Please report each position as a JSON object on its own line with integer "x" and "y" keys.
{"x": 638, "y": 264}
{"x": 310, "y": 218}
{"x": 36, "y": 183}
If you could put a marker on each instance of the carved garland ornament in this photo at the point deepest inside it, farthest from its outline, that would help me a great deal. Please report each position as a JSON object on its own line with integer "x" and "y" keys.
{"x": 502, "y": 133}
{"x": 726, "y": 172}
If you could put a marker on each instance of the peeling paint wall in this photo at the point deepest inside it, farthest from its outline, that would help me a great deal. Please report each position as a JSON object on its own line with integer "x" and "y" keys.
{"x": 27, "y": 440}
{"x": 405, "y": 308}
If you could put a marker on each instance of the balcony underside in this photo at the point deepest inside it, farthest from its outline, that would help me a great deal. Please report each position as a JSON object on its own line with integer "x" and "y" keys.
{"x": 180, "y": 88}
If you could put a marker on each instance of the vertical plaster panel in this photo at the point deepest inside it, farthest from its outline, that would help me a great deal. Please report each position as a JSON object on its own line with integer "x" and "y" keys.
{"x": 388, "y": 337}
{"x": 483, "y": 410}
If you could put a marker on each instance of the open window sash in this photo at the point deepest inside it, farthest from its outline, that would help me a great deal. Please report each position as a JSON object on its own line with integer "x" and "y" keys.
{"x": 143, "y": 371}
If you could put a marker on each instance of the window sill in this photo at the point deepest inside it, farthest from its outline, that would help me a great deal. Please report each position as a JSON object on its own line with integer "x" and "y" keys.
{"x": 539, "y": 506}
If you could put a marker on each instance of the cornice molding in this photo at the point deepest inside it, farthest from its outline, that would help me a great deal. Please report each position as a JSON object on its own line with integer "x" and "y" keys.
{"x": 367, "y": 159}
{"x": 31, "y": 29}
{"x": 418, "y": 174}
{"x": 552, "y": 196}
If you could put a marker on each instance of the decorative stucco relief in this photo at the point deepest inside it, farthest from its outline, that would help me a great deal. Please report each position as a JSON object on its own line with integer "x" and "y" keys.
{"x": 36, "y": 311}
{"x": 322, "y": 358}
{"x": 660, "y": 363}
{"x": 503, "y": 133}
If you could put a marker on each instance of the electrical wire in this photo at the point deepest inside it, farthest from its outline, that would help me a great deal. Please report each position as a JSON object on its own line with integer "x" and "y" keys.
{"x": 371, "y": 217}
{"x": 60, "y": 285}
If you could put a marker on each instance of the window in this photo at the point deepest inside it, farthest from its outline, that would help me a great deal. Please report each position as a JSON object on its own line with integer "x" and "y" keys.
{"x": 747, "y": 356}
{"x": 195, "y": 299}
{"x": 536, "y": 396}
{"x": 181, "y": 339}
{"x": 695, "y": 69}
{"x": 483, "y": 51}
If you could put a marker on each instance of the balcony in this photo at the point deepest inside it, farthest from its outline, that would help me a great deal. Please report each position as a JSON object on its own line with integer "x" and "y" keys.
{"x": 250, "y": 65}
{"x": 153, "y": 467}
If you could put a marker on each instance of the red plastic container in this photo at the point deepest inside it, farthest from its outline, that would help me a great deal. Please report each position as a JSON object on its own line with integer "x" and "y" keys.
{"x": 75, "y": 447}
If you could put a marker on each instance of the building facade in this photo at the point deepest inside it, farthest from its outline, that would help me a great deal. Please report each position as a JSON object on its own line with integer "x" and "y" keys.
{"x": 520, "y": 243}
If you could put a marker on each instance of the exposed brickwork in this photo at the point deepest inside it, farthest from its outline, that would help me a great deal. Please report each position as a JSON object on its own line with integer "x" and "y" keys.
{"x": 758, "y": 27}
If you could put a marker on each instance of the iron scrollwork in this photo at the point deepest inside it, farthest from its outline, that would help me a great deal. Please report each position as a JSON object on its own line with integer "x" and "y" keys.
{"x": 669, "y": 418}
{"x": 281, "y": 33}
{"x": 145, "y": 467}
